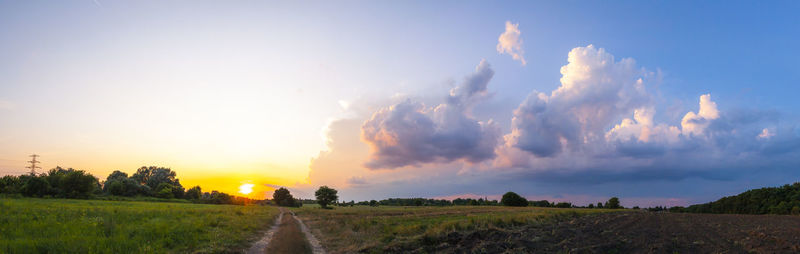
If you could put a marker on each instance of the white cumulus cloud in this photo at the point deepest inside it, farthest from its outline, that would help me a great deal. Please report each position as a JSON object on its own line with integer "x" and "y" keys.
{"x": 595, "y": 90}
{"x": 643, "y": 129}
{"x": 696, "y": 123}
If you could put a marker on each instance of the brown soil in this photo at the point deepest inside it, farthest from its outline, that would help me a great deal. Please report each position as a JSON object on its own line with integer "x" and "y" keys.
{"x": 289, "y": 238}
{"x": 627, "y": 232}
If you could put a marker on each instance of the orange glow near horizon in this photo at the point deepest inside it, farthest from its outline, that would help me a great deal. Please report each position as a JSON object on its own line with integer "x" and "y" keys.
{"x": 210, "y": 174}
{"x": 232, "y": 183}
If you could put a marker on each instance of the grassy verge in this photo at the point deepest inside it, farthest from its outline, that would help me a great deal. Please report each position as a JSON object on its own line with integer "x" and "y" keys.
{"x": 360, "y": 228}
{"x": 91, "y": 226}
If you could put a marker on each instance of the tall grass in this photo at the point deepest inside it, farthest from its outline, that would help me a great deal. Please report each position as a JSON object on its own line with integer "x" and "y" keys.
{"x": 359, "y": 228}
{"x": 91, "y": 226}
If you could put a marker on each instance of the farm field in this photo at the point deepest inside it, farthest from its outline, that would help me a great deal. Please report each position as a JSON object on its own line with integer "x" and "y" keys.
{"x": 422, "y": 229}
{"x": 546, "y": 230}
{"x": 93, "y": 226}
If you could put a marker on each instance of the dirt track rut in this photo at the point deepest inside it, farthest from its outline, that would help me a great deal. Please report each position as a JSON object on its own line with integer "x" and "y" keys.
{"x": 288, "y": 235}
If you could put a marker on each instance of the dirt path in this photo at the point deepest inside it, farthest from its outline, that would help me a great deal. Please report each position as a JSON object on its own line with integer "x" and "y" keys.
{"x": 261, "y": 246}
{"x": 315, "y": 245}
{"x": 288, "y": 235}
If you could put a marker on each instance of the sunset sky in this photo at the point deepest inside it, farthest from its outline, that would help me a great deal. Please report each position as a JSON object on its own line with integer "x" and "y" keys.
{"x": 656, "y": 102}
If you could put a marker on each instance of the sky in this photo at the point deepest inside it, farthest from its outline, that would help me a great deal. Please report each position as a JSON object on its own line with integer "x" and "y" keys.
{"x": 655, "y": 102}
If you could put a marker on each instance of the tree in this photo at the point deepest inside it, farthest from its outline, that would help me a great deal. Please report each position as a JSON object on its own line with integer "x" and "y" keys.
{"x": 613, "y": 203}
{"x": 117, "y": 175}
{"x": 69, "y": 183}
{"x": 540, "y": 203}
{"x": 513, "y": 199}
{"x": 78, "y": 184}
{"x": 35, "y": 186}
{"x": 118, "y": 183}
{"x": 282, "y": 197}
{"x": 325, "y": 196}
{"x": 564, "y": 205}
{"x": 114, "y": 187}
{"x": 164, "y": 190}
{"x": 193, "y": 193}
{"x": 10, "y": 184}
{"x": 216, "y": 197}
{"x": 153, "y": 176}
{"x": 177, "y": 191}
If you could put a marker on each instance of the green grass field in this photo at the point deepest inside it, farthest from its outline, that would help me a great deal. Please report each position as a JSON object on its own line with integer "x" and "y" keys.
{"x": 94, "y": 226}
{"x": 359, "y": 228}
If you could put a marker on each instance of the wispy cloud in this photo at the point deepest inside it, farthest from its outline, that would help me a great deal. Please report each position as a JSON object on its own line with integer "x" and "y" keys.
{"x": 510, "y": 42}
{"x": 357, "y": 181}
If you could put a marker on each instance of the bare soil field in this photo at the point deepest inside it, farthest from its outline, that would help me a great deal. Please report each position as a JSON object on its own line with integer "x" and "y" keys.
{"x": 626, "y": 232}
{"x": 402, "y": 229}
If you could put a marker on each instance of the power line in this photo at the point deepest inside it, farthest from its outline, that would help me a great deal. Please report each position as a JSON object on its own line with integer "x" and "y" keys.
{"x": 33, "y": 162}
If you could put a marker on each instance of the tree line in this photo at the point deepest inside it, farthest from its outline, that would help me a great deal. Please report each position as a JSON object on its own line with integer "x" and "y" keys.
{"x": 162, "y": 183}
{"x": 152, "y": 181}
{"x": 514, "y": 199}
{"x": 283, "y": 198}
{"x": 770, "y": 200}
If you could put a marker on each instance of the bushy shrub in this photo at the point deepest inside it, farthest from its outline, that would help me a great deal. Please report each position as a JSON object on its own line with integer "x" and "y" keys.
{"x": 513, "y": 199}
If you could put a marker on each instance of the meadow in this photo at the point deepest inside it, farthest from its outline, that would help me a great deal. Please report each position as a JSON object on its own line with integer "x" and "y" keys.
{"x": 377, "y": 229}
{"x": 29, "y": 225}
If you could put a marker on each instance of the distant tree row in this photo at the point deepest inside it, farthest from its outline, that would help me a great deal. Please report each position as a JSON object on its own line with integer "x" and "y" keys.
{"x": 474, "y": 202}
{"x": 514, "y": 199}
{"x": 771, "y": 200}
{"x": 157, "y": 182}
{"x": 508, "y": 199}
{"x": 58, "y": 182}
{"x": 424, "y": 202}
{"x": 414, "y": 202}
{"x": 545, "y": 203}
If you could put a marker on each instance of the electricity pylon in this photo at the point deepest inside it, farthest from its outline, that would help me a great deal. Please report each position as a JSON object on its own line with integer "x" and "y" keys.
{"x": 33, "y": 162}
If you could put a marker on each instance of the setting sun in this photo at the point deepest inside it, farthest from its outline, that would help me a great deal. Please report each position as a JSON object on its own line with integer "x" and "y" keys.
{"x": 246, "y": 188}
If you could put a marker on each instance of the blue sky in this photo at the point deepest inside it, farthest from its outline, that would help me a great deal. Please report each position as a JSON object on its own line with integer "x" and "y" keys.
{"x": 257, "y": 88}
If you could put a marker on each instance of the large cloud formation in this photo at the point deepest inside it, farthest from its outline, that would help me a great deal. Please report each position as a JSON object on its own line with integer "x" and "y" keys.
{"x": 510, "y": 42}
{"x": 410, "y": 133}
{"x": 595, "y": 89}
{"x": 585, "y": 126}
{"x": 600, "y": 131}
